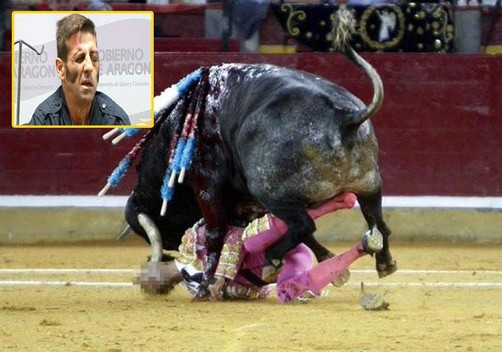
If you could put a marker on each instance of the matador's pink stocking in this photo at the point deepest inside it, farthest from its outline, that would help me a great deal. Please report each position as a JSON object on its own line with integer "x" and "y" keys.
{"x": 325, "y": 272}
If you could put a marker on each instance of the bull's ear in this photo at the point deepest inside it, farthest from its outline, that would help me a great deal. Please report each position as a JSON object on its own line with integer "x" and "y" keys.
{"x": 124, "y": 233}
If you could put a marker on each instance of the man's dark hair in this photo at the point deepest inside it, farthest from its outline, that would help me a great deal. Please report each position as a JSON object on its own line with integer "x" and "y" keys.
{"x": 68, "y": 26}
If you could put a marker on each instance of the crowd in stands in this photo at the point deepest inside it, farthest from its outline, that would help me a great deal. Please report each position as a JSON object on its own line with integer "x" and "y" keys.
{"x": 247, "y": 15}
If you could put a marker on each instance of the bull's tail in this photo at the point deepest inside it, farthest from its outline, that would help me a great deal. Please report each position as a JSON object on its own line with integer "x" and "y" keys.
{"x": 343, "y": 28}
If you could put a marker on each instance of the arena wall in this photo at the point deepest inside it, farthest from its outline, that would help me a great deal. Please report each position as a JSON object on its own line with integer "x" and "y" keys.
{"x": 439, "y": 128}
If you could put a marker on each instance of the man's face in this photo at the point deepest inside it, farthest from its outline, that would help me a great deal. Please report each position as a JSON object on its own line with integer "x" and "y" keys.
{"x": 80, "y": 72}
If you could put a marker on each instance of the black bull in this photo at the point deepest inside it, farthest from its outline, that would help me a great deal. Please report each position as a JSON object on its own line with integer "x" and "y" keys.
{"x": 267, "y": 138}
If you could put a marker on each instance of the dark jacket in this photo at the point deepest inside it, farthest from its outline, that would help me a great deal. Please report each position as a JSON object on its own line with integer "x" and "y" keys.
{"x": 54, "y": 111}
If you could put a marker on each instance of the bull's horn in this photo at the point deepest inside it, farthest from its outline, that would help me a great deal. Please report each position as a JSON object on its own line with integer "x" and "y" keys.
{"x": 153, "y": 235}
{"x": 126, "y": 231}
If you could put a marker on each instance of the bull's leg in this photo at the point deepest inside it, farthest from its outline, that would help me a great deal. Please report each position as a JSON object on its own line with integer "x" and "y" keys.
{"x": 300, "y": 226}
{"x": 321, "y": 252}
{"x": 371, "y": 207}
{"x": 213, "y": 243}
{"x": 213, "y": 208}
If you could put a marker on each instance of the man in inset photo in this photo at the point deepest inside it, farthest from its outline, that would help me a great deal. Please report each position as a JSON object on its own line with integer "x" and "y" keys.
{"x": 77, "y": 101}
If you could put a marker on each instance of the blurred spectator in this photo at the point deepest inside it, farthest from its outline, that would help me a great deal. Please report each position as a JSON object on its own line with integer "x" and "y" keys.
{"x": 98, "y": 5}
{"x": 62, "y": 5}
{"x": 4, "y": 23}
{"x": 248, "y": 16}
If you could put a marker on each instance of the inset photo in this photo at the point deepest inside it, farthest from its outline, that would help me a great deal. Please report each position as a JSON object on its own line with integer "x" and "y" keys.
{"x": 85, "y": 69}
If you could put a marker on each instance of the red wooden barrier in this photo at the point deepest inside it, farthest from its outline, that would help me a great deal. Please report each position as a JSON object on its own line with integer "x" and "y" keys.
{"x": 194, "y": 44}
{"x": 439, "y": 128}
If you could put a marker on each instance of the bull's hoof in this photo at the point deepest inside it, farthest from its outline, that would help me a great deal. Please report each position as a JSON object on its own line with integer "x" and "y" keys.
{"x": 386, "y": 269}
{"x": 373, "y": 241}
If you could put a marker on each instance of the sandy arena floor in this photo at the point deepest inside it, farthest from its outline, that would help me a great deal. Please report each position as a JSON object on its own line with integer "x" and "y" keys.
{"x": 443, "y": 298}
